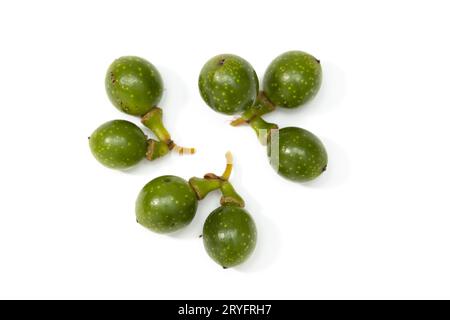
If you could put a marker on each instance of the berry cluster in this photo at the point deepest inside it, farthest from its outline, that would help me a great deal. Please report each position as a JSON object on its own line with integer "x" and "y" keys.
{"x": 169, "y": 203}
{"x": 229, "y": 85}
{"x": 135, "y": 87}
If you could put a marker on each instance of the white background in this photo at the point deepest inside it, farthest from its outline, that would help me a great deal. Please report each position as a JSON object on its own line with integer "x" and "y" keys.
{"x": 375, "y": 225}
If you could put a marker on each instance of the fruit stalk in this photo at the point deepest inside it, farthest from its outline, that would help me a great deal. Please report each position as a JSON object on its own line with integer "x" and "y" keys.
{"x": 203, "y": 186}
{"x": 153, "y": 120}
{"x": 226, "y": 174}
{"x": 156, "y": 149}
{"x": 210, "y": 182}
{"x": 261, "y": 107}
{"x": 229, "y": 196}
{"x": 262, "y": 128}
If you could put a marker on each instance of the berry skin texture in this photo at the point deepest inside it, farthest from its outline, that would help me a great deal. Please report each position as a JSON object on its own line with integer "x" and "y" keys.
{"x": 229, "y": 235}
{"x": 166, "y": 204}
{"x": 301, "y": 157}
{"x": 118, "y": 144}
{"x": 133, "y": 85}
{"x": 228, "y": 84}
{"x": 292, "y": 79}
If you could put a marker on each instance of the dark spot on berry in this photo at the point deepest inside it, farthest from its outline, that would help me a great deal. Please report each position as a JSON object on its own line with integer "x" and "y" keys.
{"x": 324, "y": 168}
{"x": 113, "y": 78}
{"x": 224, "y": 267}
{"x": 166, "y": 180}
{"x": 318, "y": 61}
{"x": 221, "y": 62}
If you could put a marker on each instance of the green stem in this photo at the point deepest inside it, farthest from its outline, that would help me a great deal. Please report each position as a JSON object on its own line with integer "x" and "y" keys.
{"x": 262, "y": 128}
{"x": 227, "y": 173}
{"x": 203, "y": 186}
{"x": 153, "y": 121}
{"x": 262, "y": 106}
{"x": 229, "y": 196}
{"x": 156, "y": 149}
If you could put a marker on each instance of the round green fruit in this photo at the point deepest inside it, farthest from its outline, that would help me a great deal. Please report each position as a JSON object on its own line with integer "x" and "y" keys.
{"x": 118, "y": 144}
{"x": 229, "y": 235}
{"x": 228, "y": 84}
{"x": 297, "y": 154}
{"x": 133, "y": 85}
{"x": 292, "y": 79}
{"x": 166, "y": 204}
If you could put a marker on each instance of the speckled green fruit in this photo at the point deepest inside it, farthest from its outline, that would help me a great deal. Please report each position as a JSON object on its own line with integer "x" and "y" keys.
{"x": 133, "y": 85}
{"x": 292, "y": 79}
{"x": 118, "y": 144}
{"x": 228, "y": 84}
{"x": 229, "y": 235}
{"x": 166, "y": 204}
{"x": 301, "y": 155}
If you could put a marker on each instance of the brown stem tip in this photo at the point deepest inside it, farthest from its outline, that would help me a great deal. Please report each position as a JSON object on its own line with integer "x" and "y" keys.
{"x": 182, "y": 150}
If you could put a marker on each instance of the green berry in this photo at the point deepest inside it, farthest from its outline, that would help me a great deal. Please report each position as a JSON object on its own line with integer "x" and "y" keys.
{"x": 228, "y": 84}
{"x": 166, "y": 204}
{"x": 133, "y": 85}
{"x": 292, "y": 79}
{"x": 229, "y": 235}
{"x": 118, "y": 144}
{"x": 297, "y": 154}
